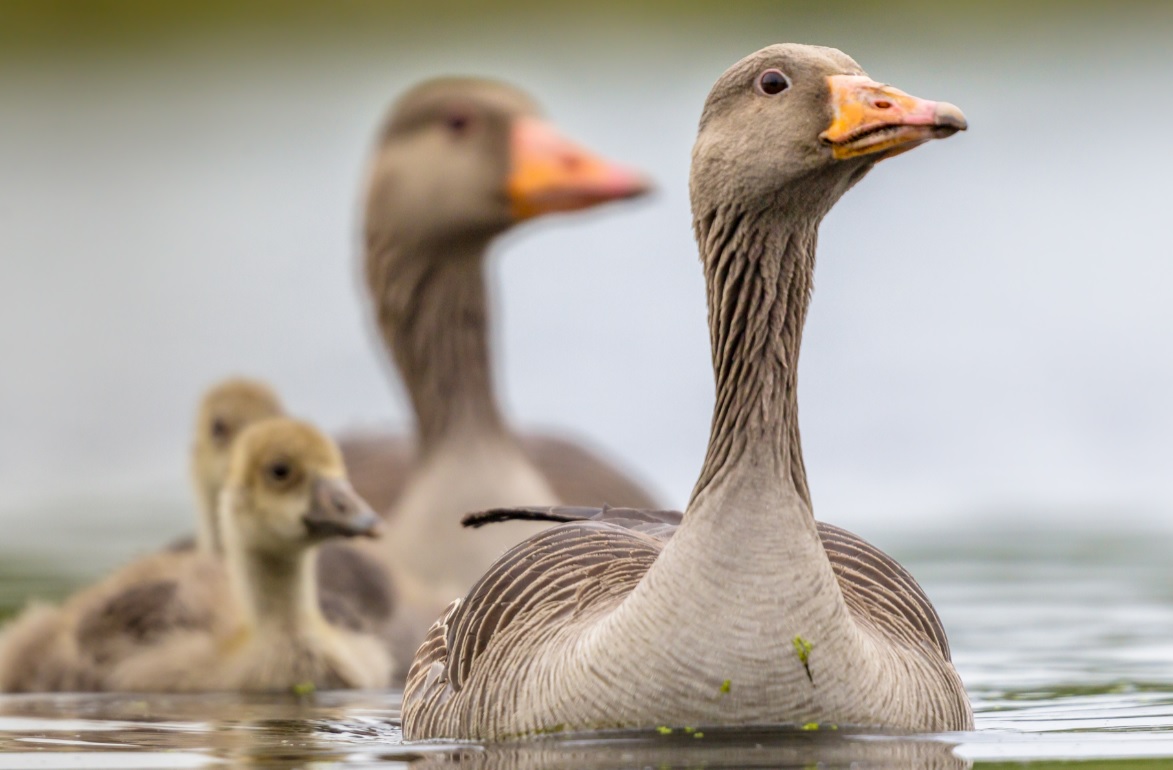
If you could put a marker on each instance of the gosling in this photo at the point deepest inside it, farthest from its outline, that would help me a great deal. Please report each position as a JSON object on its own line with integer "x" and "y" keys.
{"x": 286, "y": 493}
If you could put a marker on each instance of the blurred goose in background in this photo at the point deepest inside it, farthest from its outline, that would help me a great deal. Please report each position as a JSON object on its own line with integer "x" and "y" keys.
{"x": 354, "y": 587}
{"x": 73, "y": 647}
{"x": 286, "y": 492}
{"x": 740, "y": 611}
{"x": 226, "y": 409}
{"x": 457, "y": 163}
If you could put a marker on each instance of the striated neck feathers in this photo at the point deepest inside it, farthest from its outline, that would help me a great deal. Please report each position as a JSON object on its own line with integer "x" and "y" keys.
{"x": 431, "y": 310}
{"x": 759, "y": 266}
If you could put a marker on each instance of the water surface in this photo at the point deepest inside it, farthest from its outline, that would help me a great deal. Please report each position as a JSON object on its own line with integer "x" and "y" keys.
{"x": 1064, "y": 640}
{"x": 177, "y": 203}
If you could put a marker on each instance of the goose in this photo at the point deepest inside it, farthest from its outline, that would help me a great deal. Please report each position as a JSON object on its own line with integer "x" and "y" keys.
{"x": 734, "y": 613}
{"x": 71, "y": 647}
{"x": 458, "y": 162}
{"x": 354, "y": 587}
{"x": 74, "y": 646}
{"x": 226, "y": 409}
{"x": 286, "y": 492}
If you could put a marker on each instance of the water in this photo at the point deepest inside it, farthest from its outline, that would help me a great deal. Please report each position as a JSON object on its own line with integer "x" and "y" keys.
{"x": 1063, "y": 638}
{"x": 989, "y": 333}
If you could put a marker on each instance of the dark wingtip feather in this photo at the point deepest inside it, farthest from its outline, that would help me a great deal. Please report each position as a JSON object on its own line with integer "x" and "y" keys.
{"x": 497, "y": 515}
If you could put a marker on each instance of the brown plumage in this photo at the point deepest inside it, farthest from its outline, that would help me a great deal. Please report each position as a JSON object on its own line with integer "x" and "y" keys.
{"x": 286, "y": 492}
{"x": 743, "y": 610}
{"x": 457, "y": 163}
{"x": 876, "y": 587}
{"x": 354, "y": 588}
{"x": 75, "y": 646}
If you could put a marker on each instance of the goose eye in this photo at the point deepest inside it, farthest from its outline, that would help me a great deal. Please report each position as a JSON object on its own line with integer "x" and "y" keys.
{"x": 458, "y": 123}
{"x": 773, "y": 82}
{"x": 279, "y": 471}
{"x": 220, "y": 430}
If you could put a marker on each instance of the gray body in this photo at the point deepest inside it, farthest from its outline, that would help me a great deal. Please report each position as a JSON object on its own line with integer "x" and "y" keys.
{"x": 742, "y": 616}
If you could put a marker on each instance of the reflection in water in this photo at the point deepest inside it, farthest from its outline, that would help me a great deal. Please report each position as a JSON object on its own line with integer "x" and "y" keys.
{"x": 996, "y": 371}
{"x": 726, "y": 748}
{"x": 274, "y": 731}
{"x": 1062, "y": 642}
{"x": 361, "y": 730}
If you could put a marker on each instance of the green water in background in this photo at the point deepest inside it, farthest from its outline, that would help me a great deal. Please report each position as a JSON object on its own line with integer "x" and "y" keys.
{"x": 51, "y": 549}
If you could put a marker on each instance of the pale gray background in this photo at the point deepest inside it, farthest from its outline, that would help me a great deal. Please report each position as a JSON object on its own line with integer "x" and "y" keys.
{"x": 992, "y": 324}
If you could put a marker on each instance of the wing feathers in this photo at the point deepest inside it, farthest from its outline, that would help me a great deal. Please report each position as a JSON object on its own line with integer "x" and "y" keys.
{"x": 595, "y": 558}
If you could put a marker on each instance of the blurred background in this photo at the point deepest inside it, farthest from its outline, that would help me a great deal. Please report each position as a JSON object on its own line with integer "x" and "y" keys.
{"x": 991, "y": 335}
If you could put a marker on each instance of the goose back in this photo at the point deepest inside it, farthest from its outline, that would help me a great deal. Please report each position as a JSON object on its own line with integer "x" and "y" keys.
{"x": 597, "y": 556}
{"x": 380, "y": 465}
{"x": 285, "y": 494}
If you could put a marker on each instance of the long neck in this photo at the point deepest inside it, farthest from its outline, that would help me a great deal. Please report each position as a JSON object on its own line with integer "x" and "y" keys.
{"x": 208, "y": 537}
{"x": 747, "y": 554}
{"x": 278, "y": 592}
{"x": 758, "y": 272}
{"x": 741, "y": 619}
{"x": 431, "y": 310}
{"x": 207, "y": 530}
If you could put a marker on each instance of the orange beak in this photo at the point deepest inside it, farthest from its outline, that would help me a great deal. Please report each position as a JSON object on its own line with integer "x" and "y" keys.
{"x": 549, "y": 173}
{"x": 871, "y": 118}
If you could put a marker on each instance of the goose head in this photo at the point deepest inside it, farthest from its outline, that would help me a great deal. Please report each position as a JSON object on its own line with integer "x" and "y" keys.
{"x": 287, "y": 490}
{"x": 463, "y": 158}
{"x": 797, "y": 125}
{"x": 224, "y": 412}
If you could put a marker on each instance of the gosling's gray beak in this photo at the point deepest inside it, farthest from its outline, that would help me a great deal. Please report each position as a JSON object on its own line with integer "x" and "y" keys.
{"x": 338, "y": 511}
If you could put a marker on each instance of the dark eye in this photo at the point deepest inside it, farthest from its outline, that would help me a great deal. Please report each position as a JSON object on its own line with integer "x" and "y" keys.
{"x": 279, "y": 471}
{"x": 773, "y": 82}
{"x": 458, "y": 123}
{"x": 221, "y": 431}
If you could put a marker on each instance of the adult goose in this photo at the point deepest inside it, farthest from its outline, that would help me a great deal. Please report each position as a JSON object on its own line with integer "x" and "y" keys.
{"x": 457, "y": 163}
{"x": 285, "y": 494}
{"x": 740, "y": 616}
